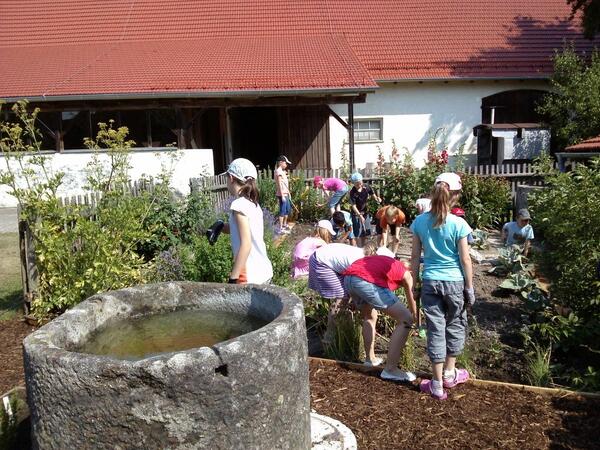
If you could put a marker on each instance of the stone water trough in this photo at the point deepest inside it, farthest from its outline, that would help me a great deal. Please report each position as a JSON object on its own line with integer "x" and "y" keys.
{"x": 249, "y": 392}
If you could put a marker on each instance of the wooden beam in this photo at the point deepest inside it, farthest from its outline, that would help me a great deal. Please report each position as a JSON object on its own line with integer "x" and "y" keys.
{"x": 351, "y": 135}
{"x": 137, "y": 104}
{"x": 338, "y": 118}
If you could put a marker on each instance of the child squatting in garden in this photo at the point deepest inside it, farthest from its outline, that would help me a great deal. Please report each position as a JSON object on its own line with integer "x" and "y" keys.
{"x": 307, "y": 246}
{"x": 282, "y": 191}
{"x": 371, "y": 281}
{"x": 519, "y": 232}
{"x": 447, "y": 287}
{"x": 342, "y": 225}
{"x": 250, "y": 261}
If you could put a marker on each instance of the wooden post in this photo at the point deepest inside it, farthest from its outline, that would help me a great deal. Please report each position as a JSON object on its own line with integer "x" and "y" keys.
{"x": 351, "y": 135}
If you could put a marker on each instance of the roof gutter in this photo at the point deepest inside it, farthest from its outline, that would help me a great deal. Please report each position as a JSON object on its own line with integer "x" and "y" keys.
{"x": 424, "y": 80}
{"x": 309, "y": 92}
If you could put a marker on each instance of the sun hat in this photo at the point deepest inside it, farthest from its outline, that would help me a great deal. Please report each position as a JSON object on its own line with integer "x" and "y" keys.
{"x": 317, "y": 180}
{"x": 327, "y": 225}
{"x": 451, "y": 179}
{"x": 242, "y": 169}
{"x": 284, "y": 158}
{"x": 356, "y": 177}
{"x": 524, "y": 214}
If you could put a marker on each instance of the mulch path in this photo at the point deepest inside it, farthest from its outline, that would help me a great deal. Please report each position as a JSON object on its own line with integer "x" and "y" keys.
{"x": 12, "y": 333}
{"x": 387, "y": 415}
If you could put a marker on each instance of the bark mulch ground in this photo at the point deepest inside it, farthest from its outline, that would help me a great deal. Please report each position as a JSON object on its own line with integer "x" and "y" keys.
{"x": 12, "y": 333}
{"x": 387, "y": 415}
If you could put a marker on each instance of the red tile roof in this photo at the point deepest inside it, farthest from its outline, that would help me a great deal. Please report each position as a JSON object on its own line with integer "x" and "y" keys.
{"x": 589, "y": 145}
{"x": 58, "y": 47}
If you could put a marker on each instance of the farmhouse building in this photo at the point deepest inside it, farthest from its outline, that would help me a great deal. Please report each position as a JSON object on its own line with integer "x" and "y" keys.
{"x": 308, "y": 78}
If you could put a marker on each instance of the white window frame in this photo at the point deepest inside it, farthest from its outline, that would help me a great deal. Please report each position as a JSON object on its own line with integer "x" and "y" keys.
{"x": 368, "y": 119}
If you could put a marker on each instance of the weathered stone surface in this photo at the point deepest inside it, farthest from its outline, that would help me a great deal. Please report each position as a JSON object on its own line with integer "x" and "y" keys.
{"x": 250, "y": 392}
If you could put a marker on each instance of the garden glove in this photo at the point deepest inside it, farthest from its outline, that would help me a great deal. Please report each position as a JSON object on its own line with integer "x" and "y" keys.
{"x": 469, "y": 296}
{"x": 214, "y": 231}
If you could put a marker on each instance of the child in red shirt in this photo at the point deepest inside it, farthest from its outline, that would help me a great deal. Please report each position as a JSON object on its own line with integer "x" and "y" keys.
{"x": 371, "y": 281}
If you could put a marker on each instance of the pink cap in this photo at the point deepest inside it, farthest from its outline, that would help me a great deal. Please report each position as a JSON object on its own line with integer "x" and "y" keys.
{"x": 317, "y": 180}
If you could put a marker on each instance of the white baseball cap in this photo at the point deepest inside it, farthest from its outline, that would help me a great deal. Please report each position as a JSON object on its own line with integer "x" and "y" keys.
{"x": 384, "y": 251}
{"x": 327, "y": 225}
{"x": 451, "y": 179}
{"x": 242, "y": 168}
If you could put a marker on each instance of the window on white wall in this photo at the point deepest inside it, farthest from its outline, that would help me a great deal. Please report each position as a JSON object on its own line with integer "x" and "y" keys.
{"x": 368, "y": 130}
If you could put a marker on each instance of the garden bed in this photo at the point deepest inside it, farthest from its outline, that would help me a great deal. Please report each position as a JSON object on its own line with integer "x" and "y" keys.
{"x": 384, "y": 414}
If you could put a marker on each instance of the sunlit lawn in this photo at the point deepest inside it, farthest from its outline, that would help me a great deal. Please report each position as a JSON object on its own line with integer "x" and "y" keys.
{"x": 11, "y": 296}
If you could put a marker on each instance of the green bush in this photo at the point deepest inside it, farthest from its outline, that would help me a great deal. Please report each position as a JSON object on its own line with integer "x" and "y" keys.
{"x": 485, "y": 200}
{"x": 567, "y": 216}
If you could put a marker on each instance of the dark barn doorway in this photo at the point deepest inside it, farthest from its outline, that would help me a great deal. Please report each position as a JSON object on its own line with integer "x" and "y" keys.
{"x": 254, "y": 134}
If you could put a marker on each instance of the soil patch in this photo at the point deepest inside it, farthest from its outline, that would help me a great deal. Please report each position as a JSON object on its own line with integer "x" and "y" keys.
{"x": 386, "y": 415}
{"x": 12, "y": 333}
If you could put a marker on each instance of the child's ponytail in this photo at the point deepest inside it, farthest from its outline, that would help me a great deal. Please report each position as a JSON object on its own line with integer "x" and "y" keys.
{"x": 440, "y": 203}
{"x": 249, "y": 190}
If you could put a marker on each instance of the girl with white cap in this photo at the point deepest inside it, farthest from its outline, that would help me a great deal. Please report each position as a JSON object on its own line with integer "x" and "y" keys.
{"x": 307, "y": 246}
{"x": 447, "y": 283}
{"x": 246, "y": 226}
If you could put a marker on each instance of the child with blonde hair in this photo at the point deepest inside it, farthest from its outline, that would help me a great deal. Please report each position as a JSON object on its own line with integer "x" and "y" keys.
{"x": 307, "y": 246}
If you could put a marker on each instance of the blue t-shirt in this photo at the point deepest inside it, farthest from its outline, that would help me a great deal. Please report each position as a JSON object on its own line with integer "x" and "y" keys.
{"x": 440, "y": 246}
{"x": 516, "y": 234}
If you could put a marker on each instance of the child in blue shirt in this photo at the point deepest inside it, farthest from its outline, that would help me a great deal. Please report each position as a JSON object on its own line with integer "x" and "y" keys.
{"x": 447, "y": 283}
{"x": 342, "y": 225}
{"x": 519, "y": 232}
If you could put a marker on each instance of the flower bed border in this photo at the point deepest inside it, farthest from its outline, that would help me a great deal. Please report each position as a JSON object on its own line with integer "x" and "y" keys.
{"x": 551, "y": 392}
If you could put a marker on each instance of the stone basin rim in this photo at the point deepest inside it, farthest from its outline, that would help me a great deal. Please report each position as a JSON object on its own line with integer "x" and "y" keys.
{"x": 43, "y": 339}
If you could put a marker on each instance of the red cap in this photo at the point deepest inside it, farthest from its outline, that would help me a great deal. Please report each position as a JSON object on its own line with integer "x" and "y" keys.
{"x": 458, "y": 212}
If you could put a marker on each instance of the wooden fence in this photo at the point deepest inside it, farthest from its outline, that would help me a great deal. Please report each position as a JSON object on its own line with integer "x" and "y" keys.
{"x": 29, "y": 272}
{"x": 515, "y": 174}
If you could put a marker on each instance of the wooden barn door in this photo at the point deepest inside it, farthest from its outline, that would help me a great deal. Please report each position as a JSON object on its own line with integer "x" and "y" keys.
{"x": 304, "y": 136}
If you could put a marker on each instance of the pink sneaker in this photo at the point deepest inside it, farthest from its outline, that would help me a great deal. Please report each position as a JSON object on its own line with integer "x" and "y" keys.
{"x": 425, "y": 386}
{"x": 460, "y": 376}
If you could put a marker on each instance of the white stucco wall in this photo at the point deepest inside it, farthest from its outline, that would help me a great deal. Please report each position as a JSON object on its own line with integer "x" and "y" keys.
{"x": 411, "y": 111}
{"x": 187, "y": 164}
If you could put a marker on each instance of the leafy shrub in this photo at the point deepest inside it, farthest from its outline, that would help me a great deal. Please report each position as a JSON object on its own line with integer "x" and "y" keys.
{"x": 485, "y": 200}
{"x": 281, "y": 257}
{"x": 210, "y": 263}
{"x": 567, "y": 215}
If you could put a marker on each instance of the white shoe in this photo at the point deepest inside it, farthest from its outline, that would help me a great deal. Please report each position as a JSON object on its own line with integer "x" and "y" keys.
{"x": 401, "y": 376}
{"x": 373, "y": 362}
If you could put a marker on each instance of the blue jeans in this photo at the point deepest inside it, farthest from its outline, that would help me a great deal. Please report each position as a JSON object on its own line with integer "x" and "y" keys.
{"x": 444, "y": 307}
{"x": 337, "y": 197}
{"x": 363, "y": 291}
{"x": 285, "y": 206}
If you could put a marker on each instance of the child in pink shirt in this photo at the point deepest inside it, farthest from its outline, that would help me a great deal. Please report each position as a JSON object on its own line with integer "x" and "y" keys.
{"x": 334, "y": 189}
{"x": 307, "y": 246}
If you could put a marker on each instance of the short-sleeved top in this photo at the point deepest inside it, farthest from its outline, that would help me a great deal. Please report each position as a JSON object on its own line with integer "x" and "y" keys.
{"x": 258, "y": 268}
{"x": 283, "y": 187}
{"x": 338, "y": 257}
{"x": 347, "y": 222}
{"x": 360, "y": 198}
{"x": 516, "y": 234}
{"x": 440, "y": 246}
{"x": 382, "y": 271}
{"x": 334, "y": 184}
{"x": 399, "y": 219}
{"x": 303, "y": 250}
